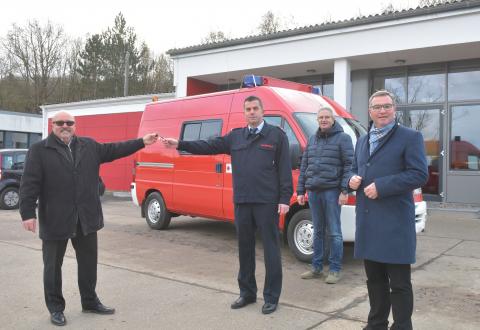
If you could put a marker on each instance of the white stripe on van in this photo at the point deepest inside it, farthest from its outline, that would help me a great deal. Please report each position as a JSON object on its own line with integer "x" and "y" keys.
{"x": 152, "y": 164}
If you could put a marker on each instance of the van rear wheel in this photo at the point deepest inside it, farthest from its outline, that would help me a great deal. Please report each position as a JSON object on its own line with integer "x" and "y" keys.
{"x": 156, "y": 212}
{"x": 300, "y": 235}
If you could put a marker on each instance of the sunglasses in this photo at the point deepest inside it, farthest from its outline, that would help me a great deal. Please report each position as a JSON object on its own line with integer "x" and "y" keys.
{"x": 63, "y": 122}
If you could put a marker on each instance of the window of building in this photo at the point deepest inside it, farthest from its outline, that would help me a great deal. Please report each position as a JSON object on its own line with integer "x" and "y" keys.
{"x": 327, "y": 90}
{"x": 394, "y": 83}
{"x": 464, "y": 85}
{"x": 464, "y": 138}
{"x": 426, "y": 87}
{"x": 1, "y": 140}
{"x": 34, "y": 137}
{"x": 16, "y": 140}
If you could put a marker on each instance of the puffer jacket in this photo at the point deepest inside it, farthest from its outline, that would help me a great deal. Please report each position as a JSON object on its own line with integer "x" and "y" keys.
{"x": 327, "y": 161}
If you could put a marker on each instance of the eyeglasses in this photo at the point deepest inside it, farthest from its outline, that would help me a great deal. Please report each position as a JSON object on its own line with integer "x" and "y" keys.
{"x": 63, "y": 122}
{"x": 378, "y": 107}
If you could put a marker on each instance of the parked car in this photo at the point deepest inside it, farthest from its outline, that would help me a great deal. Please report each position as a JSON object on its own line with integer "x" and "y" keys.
{"x": 169, "y": 183}
{"x": 11, "y": 169}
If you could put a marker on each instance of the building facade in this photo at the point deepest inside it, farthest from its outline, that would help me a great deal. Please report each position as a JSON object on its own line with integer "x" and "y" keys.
{"x": 428, "y": 57}
{"x": 19, "y": 130}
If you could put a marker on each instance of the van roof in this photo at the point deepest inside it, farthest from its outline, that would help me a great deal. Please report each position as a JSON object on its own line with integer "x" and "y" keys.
{"x": 284, "y": 93}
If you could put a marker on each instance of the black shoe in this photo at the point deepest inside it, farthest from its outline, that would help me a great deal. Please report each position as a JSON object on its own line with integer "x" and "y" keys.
{"x": 99, "y": 308}
{"x": 269, "y": 308}
{"x": 58, "y": 318}
{"x": 242, "y": 302}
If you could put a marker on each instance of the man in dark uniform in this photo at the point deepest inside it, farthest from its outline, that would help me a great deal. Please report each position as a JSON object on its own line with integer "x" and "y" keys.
{"x": 262, "y": 187}
{"x": 62, "y": 173}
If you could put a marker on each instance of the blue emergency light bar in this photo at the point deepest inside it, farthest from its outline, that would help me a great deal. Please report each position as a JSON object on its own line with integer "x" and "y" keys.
{"x": 252, "y": 81}
{"x": 255, "y": 81}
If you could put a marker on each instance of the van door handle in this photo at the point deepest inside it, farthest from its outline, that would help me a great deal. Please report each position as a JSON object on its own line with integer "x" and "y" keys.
{"x": 218, "y": 168}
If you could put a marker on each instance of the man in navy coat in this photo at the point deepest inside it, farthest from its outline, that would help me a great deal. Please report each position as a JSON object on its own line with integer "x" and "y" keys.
{"x": 389, "y": 164}
{"x": 262, "y": 188}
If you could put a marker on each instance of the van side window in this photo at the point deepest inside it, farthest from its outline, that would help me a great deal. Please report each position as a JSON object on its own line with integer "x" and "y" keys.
{"x": 191, "y": 132}
{"x": 210, "y": 129}
{"x": 282, "y": 123}
{"x": 201, "y": 130}
{"x": 293, "y": 144}
{"x": 19, "y": 162}
{"x": 7, "y": 161}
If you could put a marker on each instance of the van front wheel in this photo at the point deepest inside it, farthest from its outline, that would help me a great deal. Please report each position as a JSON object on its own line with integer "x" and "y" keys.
{"x": 300, "y": 235}
{"x": 156, "y": 212}
{"x": 9, "y": 198}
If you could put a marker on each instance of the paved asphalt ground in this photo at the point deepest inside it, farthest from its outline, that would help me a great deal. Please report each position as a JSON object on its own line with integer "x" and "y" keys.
{"x": 185, "y": 278}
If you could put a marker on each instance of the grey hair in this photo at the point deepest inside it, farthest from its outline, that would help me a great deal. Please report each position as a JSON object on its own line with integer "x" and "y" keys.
{"x": 326, "y": 109}
{"x": 382, "y": 92}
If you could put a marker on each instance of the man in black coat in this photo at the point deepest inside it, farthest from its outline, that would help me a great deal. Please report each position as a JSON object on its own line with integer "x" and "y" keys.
{"x": 262, "y": 187}
{"x": 61, "y": 171}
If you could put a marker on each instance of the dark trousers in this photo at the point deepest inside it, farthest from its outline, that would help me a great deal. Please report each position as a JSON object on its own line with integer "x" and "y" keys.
{"x": 249, "y": 217}
{"x": 389, "y": 285}
{"x": 53, "y": 253}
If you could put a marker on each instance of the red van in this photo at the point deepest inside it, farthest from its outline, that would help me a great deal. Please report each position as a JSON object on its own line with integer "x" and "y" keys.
{"x": 169, "y": 183}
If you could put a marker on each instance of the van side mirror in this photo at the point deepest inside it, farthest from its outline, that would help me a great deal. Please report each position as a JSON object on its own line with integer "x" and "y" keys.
{"x": 295, "y": 156}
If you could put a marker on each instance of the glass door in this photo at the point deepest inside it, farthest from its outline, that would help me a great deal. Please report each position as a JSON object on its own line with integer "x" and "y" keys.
{"x": 428, "y": 120}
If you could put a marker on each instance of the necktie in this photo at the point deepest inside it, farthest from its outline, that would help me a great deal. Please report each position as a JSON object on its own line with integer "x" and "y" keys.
{"x": 253, "y": 130}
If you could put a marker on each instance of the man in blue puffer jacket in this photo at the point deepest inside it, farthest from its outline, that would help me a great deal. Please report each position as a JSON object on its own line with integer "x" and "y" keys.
{"x": 324, "y": 173}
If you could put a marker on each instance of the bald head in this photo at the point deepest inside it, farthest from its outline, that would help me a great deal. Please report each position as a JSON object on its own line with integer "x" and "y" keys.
{"x": 63, "y": 115}
{"x": 63, "y": 126}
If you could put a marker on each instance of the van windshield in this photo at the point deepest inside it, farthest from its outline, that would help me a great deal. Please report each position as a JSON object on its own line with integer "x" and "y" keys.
{"x": 309, "y": 125}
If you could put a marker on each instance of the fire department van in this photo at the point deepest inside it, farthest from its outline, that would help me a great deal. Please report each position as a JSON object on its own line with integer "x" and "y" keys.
{"x": 168, "y": 183}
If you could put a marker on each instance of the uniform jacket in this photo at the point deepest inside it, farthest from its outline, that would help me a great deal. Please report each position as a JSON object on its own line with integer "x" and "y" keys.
{"x": 67, "y": 190}
{"x": 327, "y": 161}
{"x": 385, "y": 227}
{"x": 260, "y": 163}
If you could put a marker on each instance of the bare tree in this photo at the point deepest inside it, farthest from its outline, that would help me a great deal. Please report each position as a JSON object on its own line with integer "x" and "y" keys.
{"x": 4, "y": 67}
{"x": 36, "y": 53}
{"x": 70, "y": 84}
{"x": 388, "y": 9}
{"x": 270, "y": 23}
{"x": 214, "y": 37}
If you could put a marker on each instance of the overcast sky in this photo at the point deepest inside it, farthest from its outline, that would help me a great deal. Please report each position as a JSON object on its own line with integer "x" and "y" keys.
{"x": 175, "y": 24}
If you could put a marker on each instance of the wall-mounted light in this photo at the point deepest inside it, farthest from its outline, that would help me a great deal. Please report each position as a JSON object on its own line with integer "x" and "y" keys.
{"x": 230, "y": 80}
{"x": 311, "y": 70}
{"x": 400, "y": 61}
